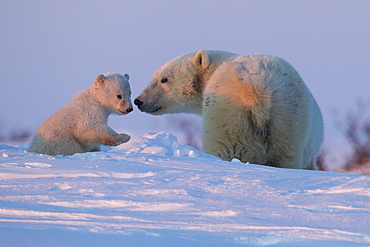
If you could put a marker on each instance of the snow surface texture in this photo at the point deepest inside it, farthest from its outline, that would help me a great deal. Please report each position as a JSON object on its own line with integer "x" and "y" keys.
{"x": 152, "y": 191}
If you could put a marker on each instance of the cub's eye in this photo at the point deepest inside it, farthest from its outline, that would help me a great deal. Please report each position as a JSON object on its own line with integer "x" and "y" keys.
{"x": 164, "y": 80}
{"x": 119, "y": 96}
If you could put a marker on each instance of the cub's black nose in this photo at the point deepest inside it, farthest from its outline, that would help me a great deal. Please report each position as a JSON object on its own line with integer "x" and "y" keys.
{"x": 138, "y": 102}
{"x": 129, "y": 110}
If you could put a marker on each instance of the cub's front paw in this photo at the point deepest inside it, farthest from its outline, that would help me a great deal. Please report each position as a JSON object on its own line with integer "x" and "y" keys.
{"x": 122, "y": 138}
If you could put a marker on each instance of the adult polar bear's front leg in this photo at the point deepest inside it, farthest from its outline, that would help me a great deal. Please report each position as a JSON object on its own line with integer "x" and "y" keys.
{"x": 226, "y": 135}
{"x": 235, "y": 116}
{"x": 253, "y": 113}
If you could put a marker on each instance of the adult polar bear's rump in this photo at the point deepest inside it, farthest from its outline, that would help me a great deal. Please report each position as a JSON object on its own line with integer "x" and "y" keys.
{"x": 255, "y": 108}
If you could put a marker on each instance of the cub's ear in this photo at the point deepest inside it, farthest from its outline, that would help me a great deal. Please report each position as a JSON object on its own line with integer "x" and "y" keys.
{"x": 100, "y": 80}
{"x": 200, "y": 59}
{"x": 127, "y": 76}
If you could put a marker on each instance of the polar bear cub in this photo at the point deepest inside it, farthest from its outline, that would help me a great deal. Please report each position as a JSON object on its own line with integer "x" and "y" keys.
{"x": 81, "y": 125}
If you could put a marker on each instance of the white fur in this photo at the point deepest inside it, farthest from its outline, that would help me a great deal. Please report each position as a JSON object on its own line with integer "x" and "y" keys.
{"x": 81, "y": 125}
{"x": 255, "y": 108}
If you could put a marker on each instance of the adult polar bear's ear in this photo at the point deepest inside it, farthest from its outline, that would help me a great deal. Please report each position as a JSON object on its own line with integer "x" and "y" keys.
{"x": 127, "y": 76}
{"x": 200, "y": 60}
{"x": 100, "y": 80}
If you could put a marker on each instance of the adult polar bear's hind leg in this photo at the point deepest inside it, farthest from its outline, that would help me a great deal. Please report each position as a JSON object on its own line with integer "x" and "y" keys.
{"x": 235, "y": 111}
{"x": 248, "y": 97}
{"x": 315, "y": 137}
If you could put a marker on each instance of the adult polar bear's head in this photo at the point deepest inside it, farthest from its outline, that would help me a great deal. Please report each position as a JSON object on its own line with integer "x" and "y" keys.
{"x": 178, "y": 85}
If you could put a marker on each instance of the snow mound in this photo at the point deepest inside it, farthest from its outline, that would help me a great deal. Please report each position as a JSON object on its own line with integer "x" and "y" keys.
{"x": 4, "y": 146}
{"x": 160, "y": 144}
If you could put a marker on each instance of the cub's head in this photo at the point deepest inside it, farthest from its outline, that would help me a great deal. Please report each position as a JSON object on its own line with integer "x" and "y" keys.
{"x": 176, "y": 87}
{"x": 113, "y": 92}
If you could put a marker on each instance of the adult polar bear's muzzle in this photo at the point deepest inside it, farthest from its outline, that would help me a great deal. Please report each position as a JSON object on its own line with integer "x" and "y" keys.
{"x": 152, "y": 99}
{"x": 146, "y": 106}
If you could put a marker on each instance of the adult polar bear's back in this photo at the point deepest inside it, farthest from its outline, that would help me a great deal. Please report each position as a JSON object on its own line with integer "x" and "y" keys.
{"x": 257, "y": 108}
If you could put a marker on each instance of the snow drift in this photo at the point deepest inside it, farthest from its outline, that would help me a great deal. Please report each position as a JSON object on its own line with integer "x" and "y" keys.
{"x": 152, "y": 191}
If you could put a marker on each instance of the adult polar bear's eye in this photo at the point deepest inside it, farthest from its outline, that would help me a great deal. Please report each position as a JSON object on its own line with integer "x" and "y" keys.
{"x": 119, "y": 96}
{"x": 164, "y": 80}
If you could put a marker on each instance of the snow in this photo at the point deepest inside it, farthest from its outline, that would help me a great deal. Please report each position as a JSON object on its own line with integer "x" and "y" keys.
{"x": 152, "y": 191}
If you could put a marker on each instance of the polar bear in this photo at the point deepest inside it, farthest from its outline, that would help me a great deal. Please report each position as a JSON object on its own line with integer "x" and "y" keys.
{"x": 81, "y": 125}
{"x": 255, "y": 108}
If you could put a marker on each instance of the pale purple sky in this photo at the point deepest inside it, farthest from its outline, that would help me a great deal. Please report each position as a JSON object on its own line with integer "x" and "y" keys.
{"x": 50, "y": 50}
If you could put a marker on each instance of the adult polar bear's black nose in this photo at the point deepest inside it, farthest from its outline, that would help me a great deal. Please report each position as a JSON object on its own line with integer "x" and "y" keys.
{"x": 138, "y": 102}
